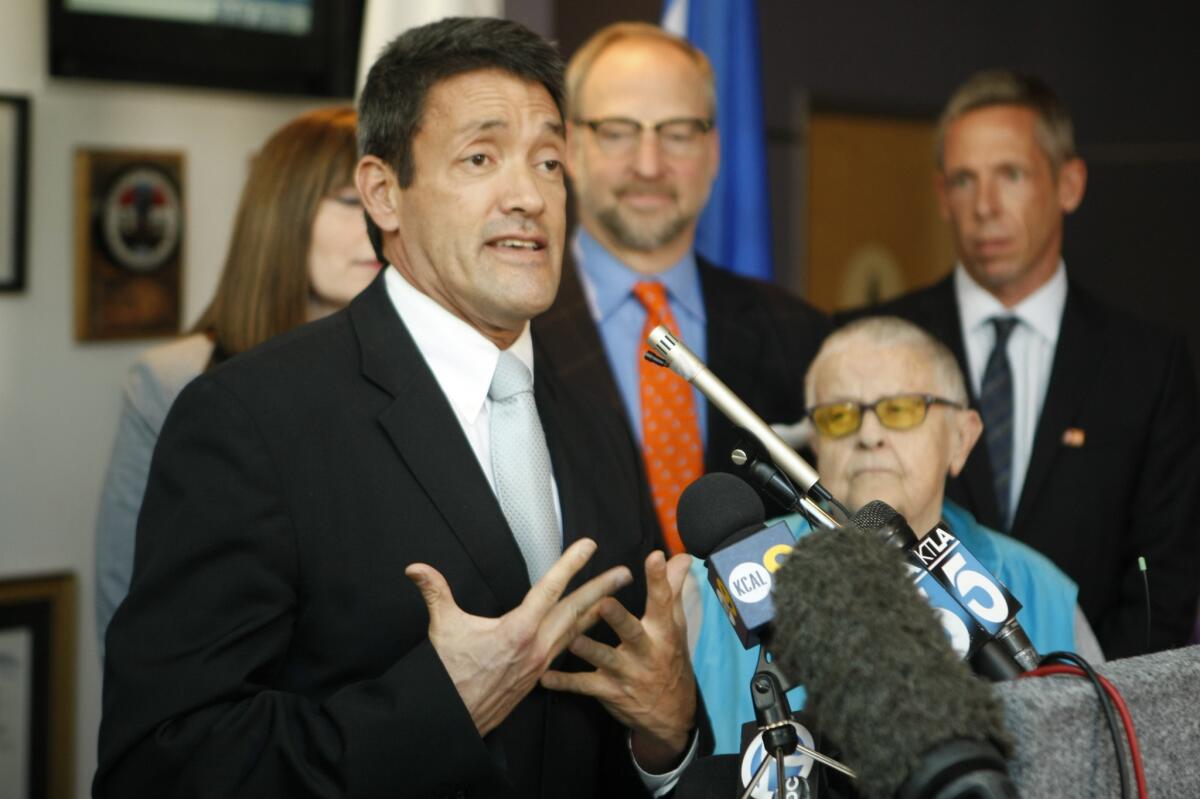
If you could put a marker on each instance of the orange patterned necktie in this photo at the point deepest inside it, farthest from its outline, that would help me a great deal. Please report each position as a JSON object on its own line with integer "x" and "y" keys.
{"x": 670, "y": 426}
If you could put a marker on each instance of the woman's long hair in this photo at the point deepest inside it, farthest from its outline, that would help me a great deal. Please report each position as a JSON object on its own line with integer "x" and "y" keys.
{"x": 264, "y": 286}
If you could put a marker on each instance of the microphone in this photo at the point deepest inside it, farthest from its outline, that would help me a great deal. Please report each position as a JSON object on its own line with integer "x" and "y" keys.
{"x": 720, "y": 520}
{"x": 999, "y": 647}
{"x": 668, "y": 350}
{"x": 882, "y": 681}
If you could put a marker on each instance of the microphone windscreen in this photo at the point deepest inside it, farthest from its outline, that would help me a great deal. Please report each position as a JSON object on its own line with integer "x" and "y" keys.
{"x": 883, "y": 682}
{"x": 714, "y": 509}
{"x": 874, "y": 515}
{"x": 885, "y": 521}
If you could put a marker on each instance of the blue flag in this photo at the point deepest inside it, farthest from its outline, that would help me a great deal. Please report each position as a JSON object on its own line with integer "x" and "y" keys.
{"x": 735, "y": 228}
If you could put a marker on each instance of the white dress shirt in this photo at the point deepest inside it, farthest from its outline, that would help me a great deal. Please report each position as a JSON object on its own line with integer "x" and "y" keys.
{"x": 463, "y": 361}
{"x": 1030, "y": 349}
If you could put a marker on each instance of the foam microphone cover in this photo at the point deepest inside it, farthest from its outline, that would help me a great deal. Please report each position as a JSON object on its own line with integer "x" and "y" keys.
{"x": 715, "y": 509}
{"x": 883, "y": 682}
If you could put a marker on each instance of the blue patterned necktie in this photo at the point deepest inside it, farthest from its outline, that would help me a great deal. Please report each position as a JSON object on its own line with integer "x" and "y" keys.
{"x": 521, "y": 466}
{"x": 996, "y": 406}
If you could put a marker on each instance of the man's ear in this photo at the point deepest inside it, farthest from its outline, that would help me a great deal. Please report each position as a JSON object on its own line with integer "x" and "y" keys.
{"x": 939, "y": 188}
{"x": 1072, "y": 181}
{"x": 380, "y": 192}
{"x": 967, "y": 428}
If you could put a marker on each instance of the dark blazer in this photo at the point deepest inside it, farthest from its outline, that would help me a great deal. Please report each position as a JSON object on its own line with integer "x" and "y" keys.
{"x": 271, "y": 644}
{"x": 1129, "y": 491}
{"x": 760, "y": 340}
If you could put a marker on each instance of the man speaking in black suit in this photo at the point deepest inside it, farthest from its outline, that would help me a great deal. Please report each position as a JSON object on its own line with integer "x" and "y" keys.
{"x": 366, "y": 545}
{"x": 1091, "y": 443}
{"x": 643, "y": 153}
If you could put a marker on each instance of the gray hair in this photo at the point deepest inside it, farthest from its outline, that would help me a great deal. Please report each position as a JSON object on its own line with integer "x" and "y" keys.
{"x": 892, "y": 331}
{"x": 1053, "y": 127}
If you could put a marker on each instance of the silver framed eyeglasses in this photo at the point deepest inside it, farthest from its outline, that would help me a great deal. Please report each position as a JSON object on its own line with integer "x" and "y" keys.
{"x": 679, "y": 137}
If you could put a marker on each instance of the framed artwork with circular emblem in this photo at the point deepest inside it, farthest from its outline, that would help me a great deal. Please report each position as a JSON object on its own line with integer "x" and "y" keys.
{"x": 129, "y": 228}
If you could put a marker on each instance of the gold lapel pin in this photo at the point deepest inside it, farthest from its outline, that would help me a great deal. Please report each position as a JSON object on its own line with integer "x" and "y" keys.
{"x": 1073, "y": 437}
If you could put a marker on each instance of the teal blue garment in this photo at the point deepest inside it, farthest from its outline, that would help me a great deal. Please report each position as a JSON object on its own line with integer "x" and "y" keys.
{"x": 724, "y": 669}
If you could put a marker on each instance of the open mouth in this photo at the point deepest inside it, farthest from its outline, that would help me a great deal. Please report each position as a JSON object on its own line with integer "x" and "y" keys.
{"x": 517, "y": 244}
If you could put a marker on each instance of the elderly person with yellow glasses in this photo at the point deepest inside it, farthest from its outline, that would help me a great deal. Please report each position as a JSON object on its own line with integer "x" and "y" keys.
{"x": 889, "y": 408}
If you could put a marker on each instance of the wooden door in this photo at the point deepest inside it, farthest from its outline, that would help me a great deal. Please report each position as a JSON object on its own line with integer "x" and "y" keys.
{"x": 874, "y": 230}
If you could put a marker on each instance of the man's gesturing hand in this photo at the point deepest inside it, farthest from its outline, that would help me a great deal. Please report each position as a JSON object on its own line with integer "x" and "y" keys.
{"x": 646, "y": 682}
{"x": 494, "y": 663}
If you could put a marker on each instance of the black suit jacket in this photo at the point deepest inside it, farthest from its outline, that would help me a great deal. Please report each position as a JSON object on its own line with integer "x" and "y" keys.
{"x": 1130, "y": 490}
{"x": 759, "y": 340}
{"x": 271, "y": 644}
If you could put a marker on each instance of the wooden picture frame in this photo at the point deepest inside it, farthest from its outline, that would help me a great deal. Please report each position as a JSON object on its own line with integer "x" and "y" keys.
{"x": 129, "y": 233}
{"x": 37, "y": 686}
{"x": 14, "y": 190}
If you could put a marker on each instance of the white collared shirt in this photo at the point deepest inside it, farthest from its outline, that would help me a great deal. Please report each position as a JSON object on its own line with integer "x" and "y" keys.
{"x": 1030, "y": 349}
{"x": 462, "y": 361}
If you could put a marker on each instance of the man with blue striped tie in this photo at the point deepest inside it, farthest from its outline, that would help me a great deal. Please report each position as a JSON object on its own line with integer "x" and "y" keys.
{"x": 1093, "y": 449}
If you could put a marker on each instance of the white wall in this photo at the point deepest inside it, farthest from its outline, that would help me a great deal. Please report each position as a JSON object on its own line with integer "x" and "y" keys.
{"x": 59, "y": 398}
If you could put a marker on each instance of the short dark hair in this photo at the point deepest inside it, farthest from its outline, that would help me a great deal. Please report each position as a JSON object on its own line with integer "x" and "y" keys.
{"x": 393, "y": 98}
{"x": 1054, "y": 130}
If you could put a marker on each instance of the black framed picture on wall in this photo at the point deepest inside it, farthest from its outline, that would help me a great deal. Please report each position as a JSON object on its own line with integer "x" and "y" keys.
{"x": 14, "y": 190}
{"x": 304, "y": 47}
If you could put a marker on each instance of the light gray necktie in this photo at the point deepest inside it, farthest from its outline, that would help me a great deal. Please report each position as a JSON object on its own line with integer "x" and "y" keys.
{"x": 521, "y": 466}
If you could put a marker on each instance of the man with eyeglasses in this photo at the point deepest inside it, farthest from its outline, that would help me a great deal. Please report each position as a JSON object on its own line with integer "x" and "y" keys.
{"x": 889, "y": 407}
{"x": 642, "y": 154}
{"x": 1091, "y": 445}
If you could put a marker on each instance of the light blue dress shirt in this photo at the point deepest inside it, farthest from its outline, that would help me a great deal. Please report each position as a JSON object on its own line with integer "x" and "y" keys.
{"x": 608, "y": 285}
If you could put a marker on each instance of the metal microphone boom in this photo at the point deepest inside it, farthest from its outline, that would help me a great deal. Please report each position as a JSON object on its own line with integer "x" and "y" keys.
{"x": 684, "y": 363}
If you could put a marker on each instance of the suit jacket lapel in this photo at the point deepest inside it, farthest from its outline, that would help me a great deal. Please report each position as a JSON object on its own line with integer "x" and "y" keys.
{"x": 572, "y": 473}
{"x": 570, "y": 340}
{"x": 975, "y": 481}
{"x": 731, "y": 330}
{"x": 428, "y": 438}
{"x": 1076, "y": 362}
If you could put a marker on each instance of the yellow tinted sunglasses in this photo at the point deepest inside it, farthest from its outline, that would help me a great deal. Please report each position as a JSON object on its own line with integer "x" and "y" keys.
{"x": 901, "y": 412}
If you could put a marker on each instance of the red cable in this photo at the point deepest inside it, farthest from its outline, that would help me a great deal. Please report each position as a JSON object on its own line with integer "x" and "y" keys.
{"x": 1118, "y": 701}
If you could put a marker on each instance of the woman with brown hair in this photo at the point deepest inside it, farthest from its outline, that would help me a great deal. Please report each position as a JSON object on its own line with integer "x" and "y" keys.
{"x": 299, "y": 251}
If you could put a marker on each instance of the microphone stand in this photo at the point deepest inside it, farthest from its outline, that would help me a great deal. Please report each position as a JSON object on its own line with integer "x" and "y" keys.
{"x": 758, "y": 470}
{"x": 774, "y": 717}
{"x": 669, "y": 352}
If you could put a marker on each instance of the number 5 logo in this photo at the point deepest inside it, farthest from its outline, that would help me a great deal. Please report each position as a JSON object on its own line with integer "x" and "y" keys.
{"x": 967, "y": 580}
